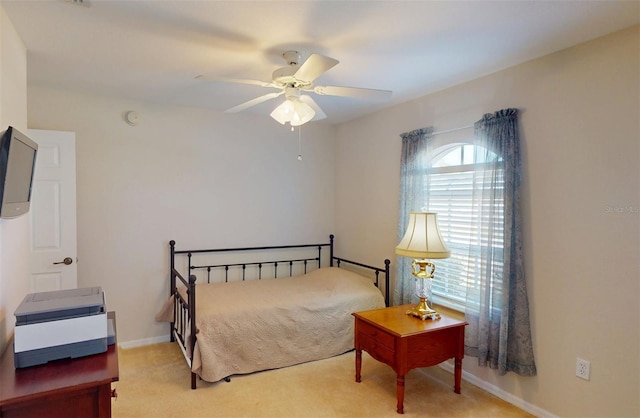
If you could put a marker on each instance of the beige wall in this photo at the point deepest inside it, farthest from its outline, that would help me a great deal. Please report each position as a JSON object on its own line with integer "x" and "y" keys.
{"x": 202, "y": 178}
{"x": 580, "y": 134}
{"x": 14, "y": 233}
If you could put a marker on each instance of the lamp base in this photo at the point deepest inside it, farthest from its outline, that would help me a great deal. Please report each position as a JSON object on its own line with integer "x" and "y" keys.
{"x": 423, "y": 311}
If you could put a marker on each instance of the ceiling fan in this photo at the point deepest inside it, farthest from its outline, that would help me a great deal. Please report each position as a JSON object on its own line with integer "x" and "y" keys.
{"x": 294, "y": 80}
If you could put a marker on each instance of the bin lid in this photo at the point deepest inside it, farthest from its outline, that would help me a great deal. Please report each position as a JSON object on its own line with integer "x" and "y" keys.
{"x": 43, "y": 306}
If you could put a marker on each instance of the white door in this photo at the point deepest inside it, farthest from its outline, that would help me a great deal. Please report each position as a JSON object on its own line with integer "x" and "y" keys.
{"x": 53, "y": 212}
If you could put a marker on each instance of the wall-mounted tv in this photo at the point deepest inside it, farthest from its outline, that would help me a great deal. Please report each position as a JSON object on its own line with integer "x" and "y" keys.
{"x": 17, "y": 164}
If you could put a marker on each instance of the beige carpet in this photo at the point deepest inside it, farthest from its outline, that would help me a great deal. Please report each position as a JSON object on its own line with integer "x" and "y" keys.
{"x": 155, "y": 382}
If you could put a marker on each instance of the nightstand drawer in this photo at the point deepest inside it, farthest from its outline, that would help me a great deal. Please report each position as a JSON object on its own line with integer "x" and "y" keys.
{"x": 372, "y": 333}
{"x": 377, "y": 350}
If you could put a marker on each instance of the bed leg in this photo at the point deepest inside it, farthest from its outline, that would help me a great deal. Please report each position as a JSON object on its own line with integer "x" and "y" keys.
{"x": 193, "y": 380}
{"x": 227, "y": 379}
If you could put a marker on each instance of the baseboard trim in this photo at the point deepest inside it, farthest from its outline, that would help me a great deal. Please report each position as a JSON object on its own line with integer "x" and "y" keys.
{"x": 144, "y": 341}
{"x": 502, "y": 394}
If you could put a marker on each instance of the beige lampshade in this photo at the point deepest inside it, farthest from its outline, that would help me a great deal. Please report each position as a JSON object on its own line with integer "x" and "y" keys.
{"x": 422, "y": 238}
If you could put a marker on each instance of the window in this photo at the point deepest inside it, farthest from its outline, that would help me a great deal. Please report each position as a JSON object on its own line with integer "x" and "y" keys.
{"x": 473, "y": 182}
{"x": 453, "y": 173}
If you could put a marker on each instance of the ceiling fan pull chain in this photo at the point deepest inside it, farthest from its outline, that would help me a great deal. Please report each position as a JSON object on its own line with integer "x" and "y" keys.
{"x": 299, "y": 143}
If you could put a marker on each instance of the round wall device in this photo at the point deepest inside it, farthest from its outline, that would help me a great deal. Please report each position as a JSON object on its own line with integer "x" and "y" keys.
{"x": 131, "y": 117}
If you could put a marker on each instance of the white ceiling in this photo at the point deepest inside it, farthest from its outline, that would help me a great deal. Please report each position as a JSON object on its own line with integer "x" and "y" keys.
{"x": 152, "y": 50}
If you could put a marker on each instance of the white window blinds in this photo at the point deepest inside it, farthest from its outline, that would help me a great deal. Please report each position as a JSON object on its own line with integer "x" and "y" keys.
{"x": 450, "y": 191}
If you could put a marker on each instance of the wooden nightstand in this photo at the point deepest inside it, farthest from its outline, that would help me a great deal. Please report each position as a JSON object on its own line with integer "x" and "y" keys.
{"x": 405, "y": 342}
{"x": 79, "y": 387}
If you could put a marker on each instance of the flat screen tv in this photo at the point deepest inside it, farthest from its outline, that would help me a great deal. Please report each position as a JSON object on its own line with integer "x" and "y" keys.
{"x": 17, "y": 164}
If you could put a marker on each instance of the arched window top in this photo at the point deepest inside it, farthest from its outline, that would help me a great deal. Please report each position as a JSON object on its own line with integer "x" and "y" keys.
{"x": 462, "y": 154}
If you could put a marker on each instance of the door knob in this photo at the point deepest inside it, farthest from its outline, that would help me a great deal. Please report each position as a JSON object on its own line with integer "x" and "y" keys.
{"x": 66, "y": 261}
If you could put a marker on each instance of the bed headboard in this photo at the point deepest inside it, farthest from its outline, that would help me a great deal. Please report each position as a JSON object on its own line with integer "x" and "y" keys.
{"x": 271, "y": 268}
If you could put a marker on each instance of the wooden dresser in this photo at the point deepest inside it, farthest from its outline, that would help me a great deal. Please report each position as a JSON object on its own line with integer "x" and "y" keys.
{"x": 405, "y": 342}
{"x": 64, "y": 388}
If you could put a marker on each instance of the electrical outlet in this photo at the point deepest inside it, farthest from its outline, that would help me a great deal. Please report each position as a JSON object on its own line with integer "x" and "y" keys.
{"x": 583, "y": 367}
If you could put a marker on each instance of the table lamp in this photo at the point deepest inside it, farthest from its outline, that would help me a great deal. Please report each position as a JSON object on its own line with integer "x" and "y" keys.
{"x": 422, "y": 241}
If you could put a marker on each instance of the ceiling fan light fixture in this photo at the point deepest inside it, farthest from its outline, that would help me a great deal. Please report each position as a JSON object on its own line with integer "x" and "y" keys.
{"x": 293, "y": 111}
{"x": 303, "y": 114}
{"x": 283, "y": 112}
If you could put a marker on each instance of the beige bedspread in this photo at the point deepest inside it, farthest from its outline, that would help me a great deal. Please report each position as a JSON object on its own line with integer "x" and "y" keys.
{"x": 258, "y": 325}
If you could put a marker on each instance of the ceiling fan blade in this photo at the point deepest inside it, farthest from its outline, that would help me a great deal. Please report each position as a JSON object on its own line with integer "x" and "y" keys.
{"x": 253, "y": 102}
{"x": 314, "y": 67}
{"x": 309, "y": 100}
{"x": 237, "y": 80}
{"x": 352, "y": 92}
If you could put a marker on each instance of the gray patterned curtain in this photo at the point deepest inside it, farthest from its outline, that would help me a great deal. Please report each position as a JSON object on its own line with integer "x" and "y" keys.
{"x": 415, "y": 147}
{"x": 499, "y": 333}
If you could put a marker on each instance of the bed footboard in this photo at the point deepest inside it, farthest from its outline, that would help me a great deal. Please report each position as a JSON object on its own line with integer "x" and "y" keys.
{"x": 183, "y": 327}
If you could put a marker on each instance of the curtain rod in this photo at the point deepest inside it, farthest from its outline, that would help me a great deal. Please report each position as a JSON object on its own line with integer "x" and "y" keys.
{"x": 452, "y": 130}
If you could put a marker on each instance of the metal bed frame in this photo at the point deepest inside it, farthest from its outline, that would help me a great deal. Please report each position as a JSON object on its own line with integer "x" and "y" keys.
{"x": 184, "y": 329}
